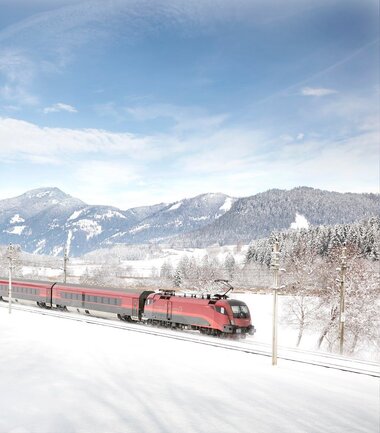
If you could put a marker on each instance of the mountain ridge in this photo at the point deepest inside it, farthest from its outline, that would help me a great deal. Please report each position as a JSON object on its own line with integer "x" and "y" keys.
{"x": 46, "y": 220}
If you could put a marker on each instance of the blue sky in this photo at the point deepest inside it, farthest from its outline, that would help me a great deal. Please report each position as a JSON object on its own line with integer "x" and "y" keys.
{"x": 128, "y": 103}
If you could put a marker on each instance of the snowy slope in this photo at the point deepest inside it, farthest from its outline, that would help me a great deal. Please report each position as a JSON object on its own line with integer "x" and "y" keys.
{"x": 259, "y": 215}
{"x": 183, "y": 216}
{"x": 60, "y": 376}
{"x": 45, "y": 220}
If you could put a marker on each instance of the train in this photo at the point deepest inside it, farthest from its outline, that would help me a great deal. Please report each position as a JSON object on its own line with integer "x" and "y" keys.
{"x": 216, "y": 315}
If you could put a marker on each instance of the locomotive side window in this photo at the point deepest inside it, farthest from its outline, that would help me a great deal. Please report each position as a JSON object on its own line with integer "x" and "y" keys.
{"x": 221, "y": 310}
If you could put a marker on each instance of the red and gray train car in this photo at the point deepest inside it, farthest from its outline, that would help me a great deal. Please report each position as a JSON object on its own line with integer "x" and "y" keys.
{"x": 214, "y": 315}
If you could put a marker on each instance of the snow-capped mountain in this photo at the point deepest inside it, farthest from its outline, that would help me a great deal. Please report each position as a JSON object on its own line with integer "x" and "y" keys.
{"x": 34, "y": 220}
{"x": 47, "y": 220}
{"x": 16, "y": 210}
{"x": 258, "y": 215}
{"x": 183, "y": 216}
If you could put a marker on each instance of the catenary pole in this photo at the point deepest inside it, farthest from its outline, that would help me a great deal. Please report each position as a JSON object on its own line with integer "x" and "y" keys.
{"x": 275, "y": 264}
{"x": 10, "y": 259}
{"x": 65, "y": 260}
{"x": 342, "y": 318}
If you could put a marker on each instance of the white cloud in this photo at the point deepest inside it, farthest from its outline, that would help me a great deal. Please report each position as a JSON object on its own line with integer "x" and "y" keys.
{"x": 18, "y": 71}
{"x": 23, "y": 140}
{"x": 317, "y": 91}
{"x": 59, "y": 106}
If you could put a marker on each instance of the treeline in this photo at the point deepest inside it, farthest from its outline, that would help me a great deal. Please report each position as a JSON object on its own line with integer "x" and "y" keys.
{"x": 362, "y": 236}
{"x": 311, "y": 260}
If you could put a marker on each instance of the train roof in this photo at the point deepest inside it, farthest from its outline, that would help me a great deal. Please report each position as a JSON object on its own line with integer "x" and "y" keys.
{"x": 78, "y": 286}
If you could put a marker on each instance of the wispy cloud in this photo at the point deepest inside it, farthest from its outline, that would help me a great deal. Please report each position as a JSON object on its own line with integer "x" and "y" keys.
{"x": 17, "y": 71}
{"x": 184, "y": 118}
{"x": 59, "y": 106}
{"x": 317, "y": 91}
{"x": 27, "y": 141}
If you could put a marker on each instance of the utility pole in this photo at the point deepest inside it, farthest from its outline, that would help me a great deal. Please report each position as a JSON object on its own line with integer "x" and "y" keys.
{"x": 10, "y": 258}
{"x": 65, "y": 260}
{"x": 341, "y": 280}
{"x": 275, "y": 265}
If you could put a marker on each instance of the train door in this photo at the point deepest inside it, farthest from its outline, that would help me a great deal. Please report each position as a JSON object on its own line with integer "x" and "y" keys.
{"x": 169, "y": 310}
{"x": 135, "y": 308}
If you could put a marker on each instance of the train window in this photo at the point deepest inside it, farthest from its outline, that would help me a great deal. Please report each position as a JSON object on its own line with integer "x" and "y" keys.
{"x": 221, "y": 310}
{"x": 240, "y": 311}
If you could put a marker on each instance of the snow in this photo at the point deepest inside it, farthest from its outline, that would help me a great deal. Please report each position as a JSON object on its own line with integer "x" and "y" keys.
{"x": 75, "y": 215}
{"x": 57, "y": 250}
{"x": 17, "y": 230}
{"x": 68, "y": 241}
{"x": 300, "y": 223}
{"x": 261, "y": 308}
{"x": 177, "y": 223}
{"x": 175, "y": 206}
{"x": 40, "y": 246}
{"x": 16, "y": 219}
{"x": 201, "y": 218}
{"x": 226, "y": 205}
{"x": 42, "y": 194}
{"x": 53, "y": 225}
{"x": 110, "y": 214}
{"x": 139, "y": 228}
{"x": 92, "y": 228}
{"x": 61, "y": 376}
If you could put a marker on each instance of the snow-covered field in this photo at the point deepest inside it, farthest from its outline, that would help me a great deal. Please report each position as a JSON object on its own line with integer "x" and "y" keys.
{"x": 64, "y": 376}
{"x": 139, "y": 267}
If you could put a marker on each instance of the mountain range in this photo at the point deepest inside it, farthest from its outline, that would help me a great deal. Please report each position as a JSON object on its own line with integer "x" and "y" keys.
{"x": 46, "y": 220}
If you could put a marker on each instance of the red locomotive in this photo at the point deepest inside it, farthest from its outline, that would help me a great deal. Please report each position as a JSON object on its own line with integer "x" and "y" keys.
{"x": 210, "y": 314}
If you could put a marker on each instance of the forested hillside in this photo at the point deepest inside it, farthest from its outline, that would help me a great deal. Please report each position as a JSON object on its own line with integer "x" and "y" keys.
{"x": 258, "y": 216}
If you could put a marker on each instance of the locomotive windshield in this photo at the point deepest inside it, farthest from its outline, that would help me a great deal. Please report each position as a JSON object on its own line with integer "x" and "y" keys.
{"x": 239, "y": 310}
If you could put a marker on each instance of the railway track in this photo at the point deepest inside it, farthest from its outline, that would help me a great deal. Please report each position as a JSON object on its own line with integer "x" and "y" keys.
{"x": 301, "y": 356}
